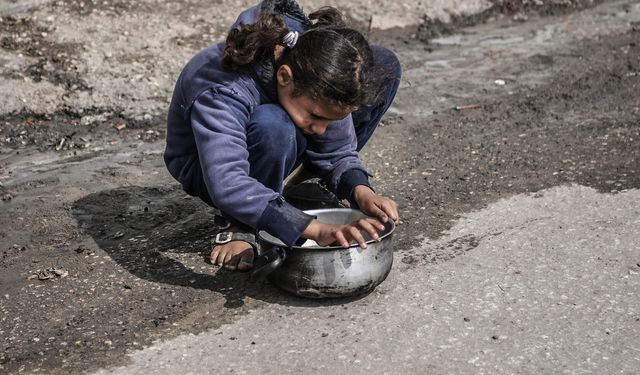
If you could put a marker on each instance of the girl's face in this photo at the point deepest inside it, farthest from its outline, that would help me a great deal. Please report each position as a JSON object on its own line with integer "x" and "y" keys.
{"x": 309, "y": 115}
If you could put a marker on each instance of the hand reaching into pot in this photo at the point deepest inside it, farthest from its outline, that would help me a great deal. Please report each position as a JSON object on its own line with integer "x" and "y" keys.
{"x": 371, "y": 204}
{"x": 376, "y": 205}
{"x": 343, "y": 234}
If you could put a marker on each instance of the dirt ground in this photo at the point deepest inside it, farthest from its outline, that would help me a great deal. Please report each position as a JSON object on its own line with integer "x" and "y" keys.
{"x": 103, "y": 253}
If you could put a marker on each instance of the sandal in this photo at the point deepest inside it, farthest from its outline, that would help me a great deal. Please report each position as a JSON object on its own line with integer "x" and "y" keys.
{"x": 226, "y": 237}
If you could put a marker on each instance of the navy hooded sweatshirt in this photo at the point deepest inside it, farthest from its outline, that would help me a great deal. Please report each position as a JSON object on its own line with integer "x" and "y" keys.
{"x": 206, "y": 125}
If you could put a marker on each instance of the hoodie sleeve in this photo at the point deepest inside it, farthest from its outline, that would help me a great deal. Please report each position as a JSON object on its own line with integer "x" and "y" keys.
{"x": 218, "y": 121}
{"x": 334, "y": 157}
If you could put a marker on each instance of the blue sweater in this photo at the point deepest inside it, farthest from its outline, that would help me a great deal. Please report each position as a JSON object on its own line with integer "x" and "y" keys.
{"x": 207, "y": 117}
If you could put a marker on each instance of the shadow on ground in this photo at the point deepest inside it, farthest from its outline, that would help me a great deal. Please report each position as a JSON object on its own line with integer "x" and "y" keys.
{"x": 162, "y": 235}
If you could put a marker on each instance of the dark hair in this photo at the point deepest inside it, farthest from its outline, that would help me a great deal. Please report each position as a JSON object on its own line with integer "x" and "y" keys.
{"x": 330, "y": 61}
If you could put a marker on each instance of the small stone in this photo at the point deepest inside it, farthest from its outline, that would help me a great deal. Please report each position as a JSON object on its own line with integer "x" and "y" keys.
{"x": 324, "y": 334}
{"x": 60, "y": 272}
{"x": 500, "y": 82}
{"x": 45, "y": 275}
{"x": 466, "y": 319}
{"x": 408, "y": 259}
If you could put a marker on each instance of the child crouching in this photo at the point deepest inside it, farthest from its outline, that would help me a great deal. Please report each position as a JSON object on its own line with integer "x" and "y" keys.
{"x": 284, "y": 90}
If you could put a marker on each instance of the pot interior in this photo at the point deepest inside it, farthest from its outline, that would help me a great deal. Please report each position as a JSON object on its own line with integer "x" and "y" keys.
{"x": 332, "y": 216}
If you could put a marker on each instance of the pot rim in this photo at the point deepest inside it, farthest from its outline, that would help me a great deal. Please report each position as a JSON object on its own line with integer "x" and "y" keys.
{"x": 389, "y": 223}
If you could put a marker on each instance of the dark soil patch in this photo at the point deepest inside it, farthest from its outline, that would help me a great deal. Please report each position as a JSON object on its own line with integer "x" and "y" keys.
{"x": 519, "y": 10}
{"x": 583, "y": 128}
{"x": 75, "y": 129}
{"x": 109, "y": 304}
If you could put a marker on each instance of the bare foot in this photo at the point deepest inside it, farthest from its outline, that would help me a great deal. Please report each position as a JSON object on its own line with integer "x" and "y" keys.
{"x": 234, "y": 255}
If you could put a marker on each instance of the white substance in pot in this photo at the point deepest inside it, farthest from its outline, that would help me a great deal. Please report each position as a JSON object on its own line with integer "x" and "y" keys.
{"x": 310, "y": 243}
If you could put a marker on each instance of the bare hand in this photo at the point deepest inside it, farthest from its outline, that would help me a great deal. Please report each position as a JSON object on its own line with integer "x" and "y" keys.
{"x": 329, "y": 234}
{"x": 376, "y": 205}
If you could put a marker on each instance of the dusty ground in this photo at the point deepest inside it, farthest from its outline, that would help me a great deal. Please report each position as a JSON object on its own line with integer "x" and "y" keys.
{"x": 94, "y": 203}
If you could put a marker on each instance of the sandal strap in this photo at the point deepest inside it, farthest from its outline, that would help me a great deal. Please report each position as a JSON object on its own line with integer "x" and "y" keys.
{"x": 226, "y": 237}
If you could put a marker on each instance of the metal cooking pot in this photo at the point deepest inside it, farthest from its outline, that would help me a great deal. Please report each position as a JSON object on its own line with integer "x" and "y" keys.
{"x": 330, "y": 271}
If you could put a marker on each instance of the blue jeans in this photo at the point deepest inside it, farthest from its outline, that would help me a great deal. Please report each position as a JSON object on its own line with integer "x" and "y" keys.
{"x": 270, "y": 163}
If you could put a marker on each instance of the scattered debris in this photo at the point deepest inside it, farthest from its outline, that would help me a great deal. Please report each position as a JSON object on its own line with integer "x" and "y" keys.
{"x": 49, "y": 273}
{"x": 467, "y": 106}
{"x": 7, "y": 197}
{"x": 60, "y": 144}
{"x": 19, "y": 248}
{"x": 149, "y": 135}
{"x": 408, "y": 259}
{"x": 66, "y": 143}
{"x": 81, "y": 249}
{"x": 120, "y": 126}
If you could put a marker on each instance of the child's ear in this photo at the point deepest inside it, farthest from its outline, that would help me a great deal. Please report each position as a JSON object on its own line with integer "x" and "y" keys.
{"x": 284, "y": 75}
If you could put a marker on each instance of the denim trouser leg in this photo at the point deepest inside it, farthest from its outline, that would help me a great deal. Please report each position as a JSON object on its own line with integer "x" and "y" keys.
{"x": 276, "y": 147}
{"x": 388, "y": 71}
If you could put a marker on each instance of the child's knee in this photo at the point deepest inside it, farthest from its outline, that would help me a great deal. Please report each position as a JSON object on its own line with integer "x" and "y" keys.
{"x": 271, "y": 127}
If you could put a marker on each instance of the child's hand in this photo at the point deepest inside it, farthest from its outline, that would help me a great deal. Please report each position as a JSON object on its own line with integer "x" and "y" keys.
{"x": 330, "y": 234}
{"x": 376, "y": 205}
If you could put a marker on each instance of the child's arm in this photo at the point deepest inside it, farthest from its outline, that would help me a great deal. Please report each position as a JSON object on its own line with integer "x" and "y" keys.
{"x": 333, "y": 155}
{"x": 218, "y": 119}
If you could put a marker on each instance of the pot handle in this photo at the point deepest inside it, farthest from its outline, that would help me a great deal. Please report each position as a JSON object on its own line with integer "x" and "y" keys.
{"x": 267, "y": 262}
